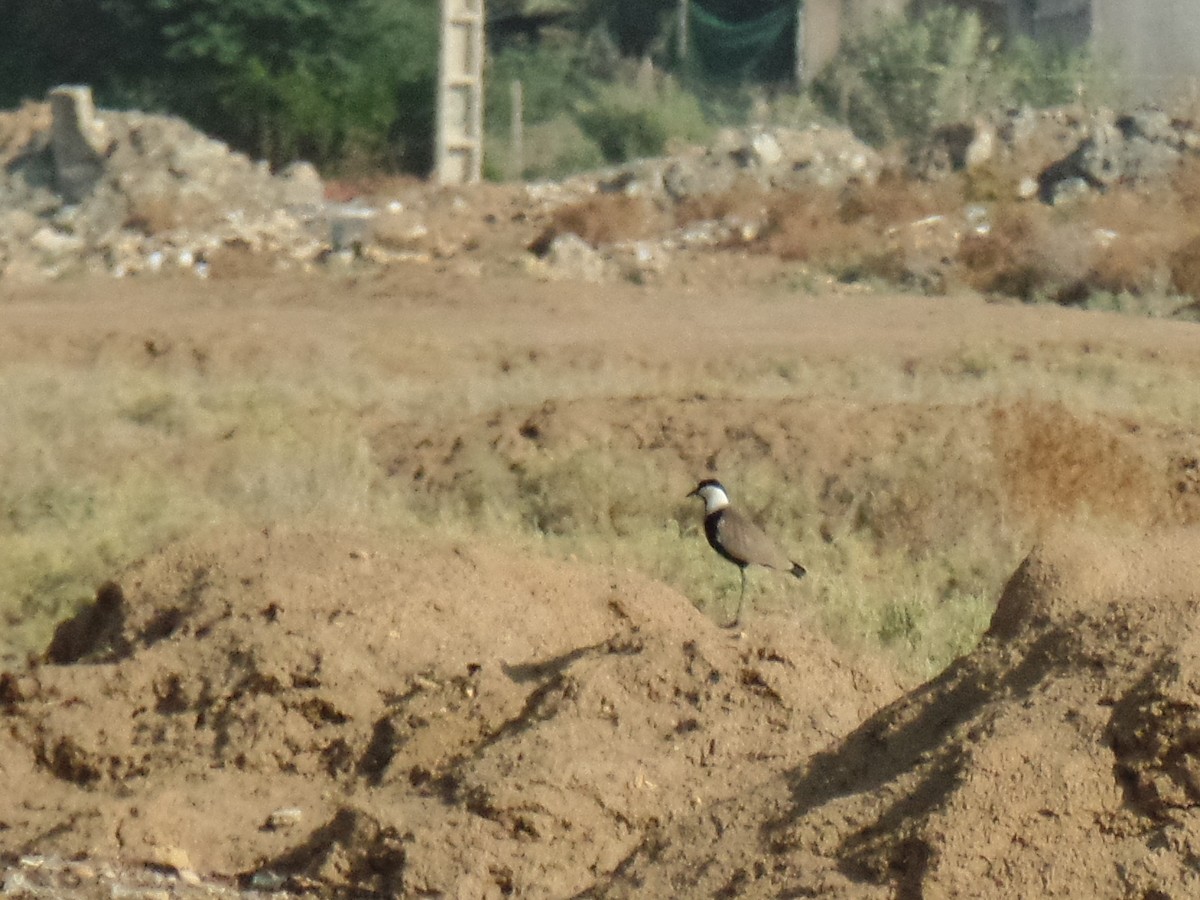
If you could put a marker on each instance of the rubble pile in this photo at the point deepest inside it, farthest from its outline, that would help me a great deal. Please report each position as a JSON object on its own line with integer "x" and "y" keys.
{"x": 775, "y": 159}
{"x": 125, "y": 193}
{"x": 130, "y": 192}
{"x": 1066, "y": 152}
{"x": 756, "y": 160}
{"x": 1040, "y": 158}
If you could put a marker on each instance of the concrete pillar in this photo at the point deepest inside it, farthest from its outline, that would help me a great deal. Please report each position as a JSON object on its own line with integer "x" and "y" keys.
{"x": 78, "y": 141}
{"x": 459, "y": 157}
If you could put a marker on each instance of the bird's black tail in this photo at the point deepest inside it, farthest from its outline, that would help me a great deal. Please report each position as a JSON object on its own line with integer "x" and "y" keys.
{"x": 798, "y": 570}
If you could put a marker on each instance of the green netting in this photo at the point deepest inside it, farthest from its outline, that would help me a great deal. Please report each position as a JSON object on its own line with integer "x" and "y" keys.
{"x": 739, "y": 41}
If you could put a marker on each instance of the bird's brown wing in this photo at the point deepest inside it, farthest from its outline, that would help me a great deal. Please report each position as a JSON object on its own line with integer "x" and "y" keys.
{"x": 744, "y": 539}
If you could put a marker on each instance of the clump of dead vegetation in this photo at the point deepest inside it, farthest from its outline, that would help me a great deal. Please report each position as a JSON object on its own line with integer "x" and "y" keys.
{"x": 1131, "y": 248}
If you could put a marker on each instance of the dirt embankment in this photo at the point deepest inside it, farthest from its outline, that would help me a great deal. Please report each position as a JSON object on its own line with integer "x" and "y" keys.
{"x": 322, "y": 711}
{"x": 314, "y": 709}
{"x": 450, "y": 713}
{"x": 1057, "y": 759}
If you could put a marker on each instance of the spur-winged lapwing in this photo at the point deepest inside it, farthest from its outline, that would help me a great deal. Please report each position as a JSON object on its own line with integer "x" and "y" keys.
{"x": 738, "y": 539}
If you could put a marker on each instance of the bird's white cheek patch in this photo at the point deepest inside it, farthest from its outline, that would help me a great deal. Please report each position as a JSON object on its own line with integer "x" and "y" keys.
{"x": 714, "y": 499}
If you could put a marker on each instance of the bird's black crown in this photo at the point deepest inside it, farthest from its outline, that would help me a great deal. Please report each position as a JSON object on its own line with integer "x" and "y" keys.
{"x": 708, "y": 482}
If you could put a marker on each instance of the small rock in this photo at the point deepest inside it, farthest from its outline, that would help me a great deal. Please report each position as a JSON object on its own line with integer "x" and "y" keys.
{"x": 122, "y": 891}
{"x": 285, "y": 817}
{"x": 301, "y": 184}
{"x": 170, "y": 857}
{"x": 350, "y": 227}
{"x": 570, "y": 256}
{"x": 82, "y": 871}
{"x": 765, "y": 149}
{"x": 266, "y": 880}
{"x": 17, "y": 884}
{"x": 55, "y": 243}
{"x": 982, "y": 147}
{"x": 1068, "y": 190}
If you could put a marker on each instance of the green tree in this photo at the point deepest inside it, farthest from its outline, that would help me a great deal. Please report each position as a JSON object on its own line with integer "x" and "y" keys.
{"x": 321, "y": 79}
{"x": 59, "y": 42}
{"x": 638, "y": 27}
{"x": 287, "y": 78}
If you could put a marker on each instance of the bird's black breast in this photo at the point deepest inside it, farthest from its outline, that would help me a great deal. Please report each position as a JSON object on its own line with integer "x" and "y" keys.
{"x": 712, "y": 531}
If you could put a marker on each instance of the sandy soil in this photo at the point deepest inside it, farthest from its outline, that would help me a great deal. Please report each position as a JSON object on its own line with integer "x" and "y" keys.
{"x": 306, "y": 709}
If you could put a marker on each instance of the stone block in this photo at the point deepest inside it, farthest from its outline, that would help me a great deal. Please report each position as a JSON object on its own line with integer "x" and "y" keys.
{"x": 78, "y": 141}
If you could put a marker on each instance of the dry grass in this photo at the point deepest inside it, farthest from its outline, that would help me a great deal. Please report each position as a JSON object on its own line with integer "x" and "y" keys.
{"x": 107, "y": 465}
{"x": 910, "y": 506}
{"x": 909, "y": 487}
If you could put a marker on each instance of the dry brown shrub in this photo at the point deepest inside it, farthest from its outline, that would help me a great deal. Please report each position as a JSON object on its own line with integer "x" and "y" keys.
{"x": 809, "y": 227}
{"x": 606, "y": 219}
{"x": 844, "y": 230}
{"x": 1185, "y": 186}
{"x": 745, "y": 200}
{"x": 859, "y": 232}
{"x": 897, "y": 200}
{"x": 155, "y": 211}
{"x": 1055, "y": 466}
{"x": 1136, "y": 230}
{"x": 1184, "y": 260}
{"x": 237, "y": 259}
{"x": 152, "y": 215}
{"x": 1030, "y": 252}
{"x": 996, "y": 181}
{"x": 1185, "y": 268}
{"x": 379, "y": 187}
{"x": 1131, "y": 264}
{"x": 1001, "y": 261}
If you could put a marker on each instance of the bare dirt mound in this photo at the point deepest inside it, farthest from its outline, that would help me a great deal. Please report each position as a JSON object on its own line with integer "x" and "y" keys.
{"x": 337, "y": 713}
{"x": 1058, "y": 759}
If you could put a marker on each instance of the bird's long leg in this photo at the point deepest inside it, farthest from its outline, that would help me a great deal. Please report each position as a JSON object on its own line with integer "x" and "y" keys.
{"x": 737, "y": 616}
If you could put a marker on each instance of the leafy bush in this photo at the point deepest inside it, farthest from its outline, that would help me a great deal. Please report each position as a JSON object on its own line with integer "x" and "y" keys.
{"x": 553, "y": 149}
{"x": 584, "y": 105}
{"x": 899, "y": 81}
{"x": 66, "y": 41}
{"x": 1047, "y": 75}
{"x": 555, "y": 77}
{"x": 629, "y": 121}
{"x": 306, "y": 77}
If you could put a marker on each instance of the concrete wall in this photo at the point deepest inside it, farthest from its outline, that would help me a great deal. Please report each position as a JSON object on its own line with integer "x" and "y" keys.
{"x": 826, "y": 22}
{"x": 1156, "y": 44}
{"x": 822, "y": 34}
{"x": 1001, "y": 16}
{"x": 1066, "y": 21}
